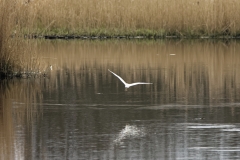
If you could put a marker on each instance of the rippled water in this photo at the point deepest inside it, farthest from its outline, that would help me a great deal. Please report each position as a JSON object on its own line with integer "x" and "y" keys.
{"x": 82, "y": 111}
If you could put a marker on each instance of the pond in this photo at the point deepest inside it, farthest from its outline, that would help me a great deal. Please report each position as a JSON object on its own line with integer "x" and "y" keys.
{"x": 80, "y": 110}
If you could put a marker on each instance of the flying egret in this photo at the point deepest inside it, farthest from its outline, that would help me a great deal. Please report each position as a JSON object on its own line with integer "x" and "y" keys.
{"x": 127, "y": 85}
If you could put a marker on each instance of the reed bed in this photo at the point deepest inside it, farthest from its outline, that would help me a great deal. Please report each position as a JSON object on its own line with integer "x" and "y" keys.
{"x": 155, "y": 18}
{"x": 6, "y": 49}
{"x": 130, "y": 17}
{"x": 16, "y": 53}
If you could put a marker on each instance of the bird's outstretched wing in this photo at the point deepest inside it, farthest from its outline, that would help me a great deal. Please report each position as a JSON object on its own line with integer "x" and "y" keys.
{"x": 137, "y": 83}
{"x": 118, "y": 77}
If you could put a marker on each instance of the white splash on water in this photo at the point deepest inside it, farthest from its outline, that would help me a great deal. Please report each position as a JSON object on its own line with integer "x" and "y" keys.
{"x": 130, "y": 132}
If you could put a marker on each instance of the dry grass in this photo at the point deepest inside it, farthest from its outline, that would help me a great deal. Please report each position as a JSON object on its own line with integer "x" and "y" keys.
{"x": 5, "y": 43}
{"x": 154, "y": 17}
{"x": 107, "y": 17}
{"x": 16, "y": 53}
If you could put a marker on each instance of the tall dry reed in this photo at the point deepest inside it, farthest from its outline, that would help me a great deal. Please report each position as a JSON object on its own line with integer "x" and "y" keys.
{"x": 5, "y": 44}
{"x": 16, "y": 53}
{"x": 161, "y": 17}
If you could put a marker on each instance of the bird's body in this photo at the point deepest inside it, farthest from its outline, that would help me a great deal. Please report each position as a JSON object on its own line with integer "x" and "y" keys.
{"x": 127, "y": 85}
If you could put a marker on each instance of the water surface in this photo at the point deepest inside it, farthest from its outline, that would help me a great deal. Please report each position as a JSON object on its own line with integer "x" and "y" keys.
{"x": 82, "y": 111}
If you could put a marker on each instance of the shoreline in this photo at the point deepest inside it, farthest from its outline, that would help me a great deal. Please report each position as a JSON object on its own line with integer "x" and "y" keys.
{"x": 130, "y": 37}
{"x": 23, "y": 75}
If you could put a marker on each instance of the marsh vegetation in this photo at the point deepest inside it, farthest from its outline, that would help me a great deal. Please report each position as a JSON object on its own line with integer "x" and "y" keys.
{"x": 23, "y": 19}
{"x": 131, "y": 17}
{"x": 16, "y": 53}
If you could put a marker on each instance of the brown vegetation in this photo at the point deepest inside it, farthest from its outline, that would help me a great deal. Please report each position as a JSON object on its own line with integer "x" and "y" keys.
{"x": 16, "y": 53}
{"x": 190, "y": 18}
{"x": 6, "y": 45}
{"x": 131, "y": 17}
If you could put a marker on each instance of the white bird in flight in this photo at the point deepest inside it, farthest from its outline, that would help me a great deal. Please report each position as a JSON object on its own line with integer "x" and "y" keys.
{"x": 127, "y": 85}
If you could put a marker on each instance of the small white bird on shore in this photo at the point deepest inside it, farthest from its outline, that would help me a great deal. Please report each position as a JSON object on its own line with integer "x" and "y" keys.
{"x": 127, "y": 85}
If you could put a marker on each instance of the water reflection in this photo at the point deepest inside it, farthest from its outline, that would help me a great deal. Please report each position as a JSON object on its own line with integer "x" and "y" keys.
{"x": 198, "y": 72}
{"x": 18, "y": 106}
{"x": 191, "y": 109}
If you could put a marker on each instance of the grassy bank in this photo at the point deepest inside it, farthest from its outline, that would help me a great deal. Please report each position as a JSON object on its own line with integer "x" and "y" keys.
{"x": 191, "y": 18}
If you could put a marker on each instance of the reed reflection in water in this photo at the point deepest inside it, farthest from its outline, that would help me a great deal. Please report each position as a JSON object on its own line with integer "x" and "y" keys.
{"x": 19, "y": 109}
{"x": 81, "y": 111}
{"x": 186, "y": 72}
{"x": 195, "y": 92}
